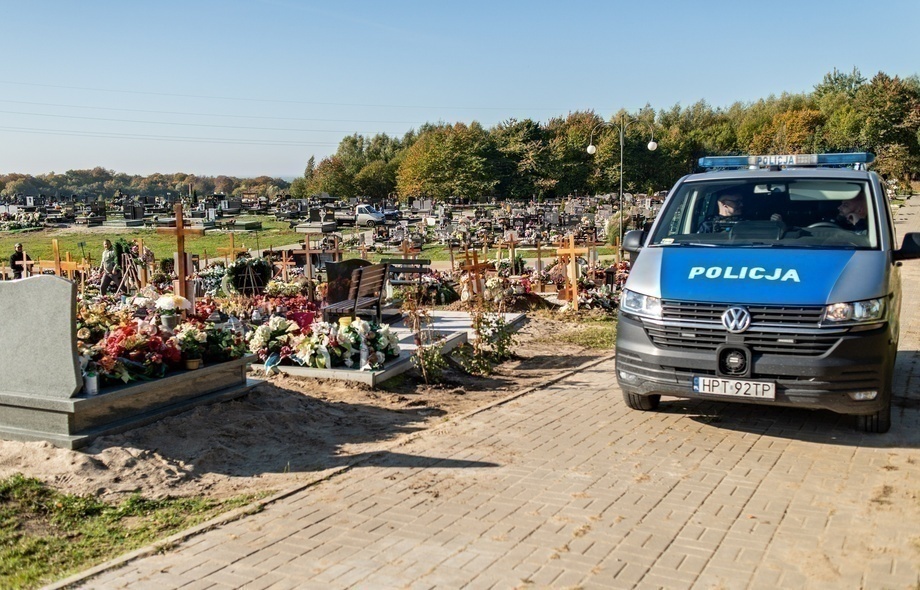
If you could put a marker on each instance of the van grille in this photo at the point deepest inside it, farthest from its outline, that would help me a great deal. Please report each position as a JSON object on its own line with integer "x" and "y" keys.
{"x": 701, "y": 329}
{"x": 784, "y": 315}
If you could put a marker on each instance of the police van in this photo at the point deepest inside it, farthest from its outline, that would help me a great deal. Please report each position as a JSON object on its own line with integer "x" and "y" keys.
{"x": 770, "y": 280}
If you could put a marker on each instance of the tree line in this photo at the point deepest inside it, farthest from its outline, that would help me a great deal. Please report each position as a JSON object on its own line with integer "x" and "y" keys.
{"x": 525, "y": 159}
{"x": 110, "y": 184}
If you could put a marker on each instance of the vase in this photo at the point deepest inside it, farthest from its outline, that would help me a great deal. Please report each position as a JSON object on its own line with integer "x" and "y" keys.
{"x": 192, "y": 364}
{"x": 91, "y": 385}
{"x": 170, "y": 321}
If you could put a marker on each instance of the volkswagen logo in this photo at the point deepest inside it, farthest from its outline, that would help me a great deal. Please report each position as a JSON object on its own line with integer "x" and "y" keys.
{"x": 736, "y": 319}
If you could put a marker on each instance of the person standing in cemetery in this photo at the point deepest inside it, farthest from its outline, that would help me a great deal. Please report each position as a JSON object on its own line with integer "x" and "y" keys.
{"x": 109, "y": 267}
{"x": 15, "y": 258}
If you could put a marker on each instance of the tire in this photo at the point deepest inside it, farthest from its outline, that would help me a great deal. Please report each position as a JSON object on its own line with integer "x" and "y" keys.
{"x": 877, "y": 423}
{"x": 370, "y": 223}
{"x": 642, "y": 402}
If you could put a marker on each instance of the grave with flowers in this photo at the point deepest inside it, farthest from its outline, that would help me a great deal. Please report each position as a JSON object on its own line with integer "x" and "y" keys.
{"x": 356, "y": 349}
{"x": 75, "y": 371}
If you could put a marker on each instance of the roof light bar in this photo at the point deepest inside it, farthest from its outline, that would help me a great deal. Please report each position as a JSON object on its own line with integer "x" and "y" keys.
{"x": 786, "y": 160}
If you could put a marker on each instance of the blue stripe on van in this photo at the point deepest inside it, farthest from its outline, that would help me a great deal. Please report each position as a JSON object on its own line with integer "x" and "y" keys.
{"x": 722, "y": 275}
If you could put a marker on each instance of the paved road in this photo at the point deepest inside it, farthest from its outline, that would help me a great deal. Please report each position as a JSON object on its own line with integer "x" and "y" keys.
{"x": 565, "y": 487}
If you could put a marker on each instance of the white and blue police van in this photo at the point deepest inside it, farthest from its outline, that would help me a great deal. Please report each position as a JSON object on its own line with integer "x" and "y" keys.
{"x": 769, "y": 280}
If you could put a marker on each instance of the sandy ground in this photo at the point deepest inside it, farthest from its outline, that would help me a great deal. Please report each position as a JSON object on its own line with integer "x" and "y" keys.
{"x": 286, "y": 430}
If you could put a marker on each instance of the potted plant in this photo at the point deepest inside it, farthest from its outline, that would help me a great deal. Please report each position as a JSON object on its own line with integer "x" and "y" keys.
{"x": 192, "y": 341}
{"x": 171, "y": 308}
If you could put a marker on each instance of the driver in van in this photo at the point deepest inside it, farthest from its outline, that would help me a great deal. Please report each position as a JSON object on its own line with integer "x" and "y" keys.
{"x": 731, "y": 208}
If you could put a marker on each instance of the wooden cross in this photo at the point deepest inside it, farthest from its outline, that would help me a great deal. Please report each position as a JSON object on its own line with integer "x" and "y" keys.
{"x": 539, "y": 268}
{"x": 285, "y": 263}
{"x": 572, "y": 252}
{"x": 511, "y": 242}
{"x": 26, "y": 265}
{"x": 143, "y": 275}
{"x": 71, "y": 267}
{"x": 232, "y": 251}
{"x": 407, "y": 250}
{"x": 309, "y": 250}
{"x": 181, "y": 231}
{"x": 336, "y": 249}
{"x": 475, "y": 269}
{"x": 57, "y": 257}
{"x": 363, "y": 250}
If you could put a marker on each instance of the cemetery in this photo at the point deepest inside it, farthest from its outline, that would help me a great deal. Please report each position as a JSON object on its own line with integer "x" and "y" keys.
{"x": 321, "y": 305}
{"x": 224, "y": 359}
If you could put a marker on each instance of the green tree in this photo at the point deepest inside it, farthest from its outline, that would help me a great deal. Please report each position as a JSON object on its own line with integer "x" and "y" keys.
{"x": 332, "y": 177}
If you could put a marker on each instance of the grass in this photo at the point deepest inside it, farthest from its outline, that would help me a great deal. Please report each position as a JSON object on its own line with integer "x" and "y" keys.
{"x": 274, "y": 234}
{"x": 37, "y": 244}
{"x": 46, "y": 535}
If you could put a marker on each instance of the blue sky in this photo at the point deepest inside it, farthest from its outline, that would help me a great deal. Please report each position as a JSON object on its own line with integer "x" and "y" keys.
{"x": 252, "y": 88}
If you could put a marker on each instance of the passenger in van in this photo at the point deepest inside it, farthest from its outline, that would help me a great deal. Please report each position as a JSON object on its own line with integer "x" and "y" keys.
{"x": 853, "y": 213}
{"x": 731, "y": 209}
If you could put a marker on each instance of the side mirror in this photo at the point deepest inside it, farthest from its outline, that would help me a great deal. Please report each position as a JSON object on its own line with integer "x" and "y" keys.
{"x": 910, "y": 249}
{"x": 632, "y": 241}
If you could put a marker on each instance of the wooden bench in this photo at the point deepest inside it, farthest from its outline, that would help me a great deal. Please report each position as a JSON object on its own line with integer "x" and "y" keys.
{"x": 366, "y": 292}
{"x": 405, "y": 268}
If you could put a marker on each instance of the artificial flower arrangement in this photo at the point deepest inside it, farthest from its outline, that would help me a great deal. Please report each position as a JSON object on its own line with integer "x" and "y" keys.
{"x": 96, "y": 318}
{"x": 191, "y": 339}
{"x": 171, "y": 304}
{"x": 276, "y": 288}
{"x": 213, "y": 279}
{"x": 223, "y": 345}
{"x": 506, "y": 269}
{"x": 131, "y": 351}
{"x": 361, "y": 344}
{"x": 274, "y": 338}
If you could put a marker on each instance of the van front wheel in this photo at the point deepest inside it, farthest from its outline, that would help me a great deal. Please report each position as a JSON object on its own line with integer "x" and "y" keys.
{"x": 641, "y": 402}
{"x": 877, "y": 423}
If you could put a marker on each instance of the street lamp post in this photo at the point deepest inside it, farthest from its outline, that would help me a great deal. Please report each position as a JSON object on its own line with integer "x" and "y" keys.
{"x": 624, "y": 123}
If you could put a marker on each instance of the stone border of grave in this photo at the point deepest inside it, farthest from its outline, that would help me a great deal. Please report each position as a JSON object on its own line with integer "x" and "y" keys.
{"x": 75, "y": 422}
{"x": 374, "y": 378}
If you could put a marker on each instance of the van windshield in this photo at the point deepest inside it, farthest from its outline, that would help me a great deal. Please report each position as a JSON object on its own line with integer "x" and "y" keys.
{"x": 795, "y": 213}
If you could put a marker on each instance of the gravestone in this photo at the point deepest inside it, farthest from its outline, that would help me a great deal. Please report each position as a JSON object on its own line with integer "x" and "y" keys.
{"x": 32, "y": 319}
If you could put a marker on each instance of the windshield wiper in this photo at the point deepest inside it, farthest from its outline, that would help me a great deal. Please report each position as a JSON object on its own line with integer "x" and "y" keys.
{"x": 690, "y": 244}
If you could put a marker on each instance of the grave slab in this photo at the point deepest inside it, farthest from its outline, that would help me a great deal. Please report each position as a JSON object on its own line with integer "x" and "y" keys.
{"x": 454, "y": 327}
{"x": 316, "y": 227}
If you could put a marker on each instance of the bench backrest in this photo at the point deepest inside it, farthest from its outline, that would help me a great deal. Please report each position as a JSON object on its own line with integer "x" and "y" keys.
{"x": 408, "y": 265}
{"x": 368, "y": 280}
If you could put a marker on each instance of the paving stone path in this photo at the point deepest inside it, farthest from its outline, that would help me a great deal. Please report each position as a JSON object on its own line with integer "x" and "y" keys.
{"x": 567, "y": 488}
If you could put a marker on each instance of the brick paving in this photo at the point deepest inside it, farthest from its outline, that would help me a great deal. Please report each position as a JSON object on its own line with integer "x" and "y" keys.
{"x": 567, "y": 488}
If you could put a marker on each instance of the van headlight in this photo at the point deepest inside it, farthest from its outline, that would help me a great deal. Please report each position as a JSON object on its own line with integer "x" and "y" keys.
{"x": 639, "y": 304}
{"x": 870, "y": 310}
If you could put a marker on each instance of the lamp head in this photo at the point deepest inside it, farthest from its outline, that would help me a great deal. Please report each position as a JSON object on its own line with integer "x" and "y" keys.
{"x": 592, "y": 149}
{"x": 652, "y": 145}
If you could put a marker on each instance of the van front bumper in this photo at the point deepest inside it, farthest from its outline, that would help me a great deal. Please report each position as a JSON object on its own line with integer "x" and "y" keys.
{"x": 858, "y": 362}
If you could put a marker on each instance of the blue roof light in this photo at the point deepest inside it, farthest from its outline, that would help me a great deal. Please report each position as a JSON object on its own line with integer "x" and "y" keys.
{"x": 787, "y": 160}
